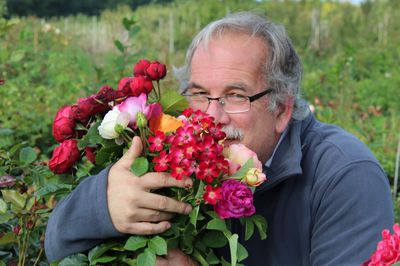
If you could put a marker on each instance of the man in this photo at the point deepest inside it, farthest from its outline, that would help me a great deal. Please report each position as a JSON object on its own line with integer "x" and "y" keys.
{"x": 326, "y": 199}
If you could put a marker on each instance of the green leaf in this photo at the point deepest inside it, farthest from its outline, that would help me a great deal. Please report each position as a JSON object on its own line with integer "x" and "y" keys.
{"x": 6, "y": 217}
{"x": 245, "y": 168}
{"x": 15, "y": 148}
{"x": 199, "y": 257}
{"x": 172, "y": 102}
{"x": 140, "y": 166}
{"x": 212, "y": 259}
{"x": 74, "y": 260}
{"x": 217, "y": 224}
{"x": 92, "y": 137}
{"x": 214, "y": 239}
{"x": 135, "y": 242}
{"x": 261, "y": 224}
{"x": 158, "y": 245}
{"x": 104, "y": 259}
{"x": 17, "y": 56}
{"x": 3, "y": 206}
{"x": 233, "y": 243}
{"x": 16, "y": 199}
{"x": 119, "y": 46}
{"x": 96, "y": 252}
{"x": 249, "y": 228}
{"x": 8, "y": 238}
{"x": 27, "y": 155}
{"x": 194, "y": 214}
{"x": 241, "y": 252}
{"x": 53, "y": 188}
{"x": 147, "y": 258}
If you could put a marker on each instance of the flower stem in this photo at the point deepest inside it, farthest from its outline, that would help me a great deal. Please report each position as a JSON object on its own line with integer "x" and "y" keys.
{"x": 158, "y": 91}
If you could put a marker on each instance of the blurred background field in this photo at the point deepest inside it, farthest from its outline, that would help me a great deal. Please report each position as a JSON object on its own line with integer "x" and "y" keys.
{"x": 351, "y": 57}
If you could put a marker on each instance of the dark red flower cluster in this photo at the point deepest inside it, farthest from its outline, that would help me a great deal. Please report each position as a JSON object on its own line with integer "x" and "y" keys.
{"x": 192, "y": 149}
{"x": 67, "y": 118}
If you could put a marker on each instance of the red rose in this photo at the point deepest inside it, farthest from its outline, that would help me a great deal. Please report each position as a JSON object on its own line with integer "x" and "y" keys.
{"x": 141, "y": 84}
{"x": 89, "y": 106}
{"x": 90, "y": 155}
{"x": 156, "y": 71}
{"x": 124, "y": 87}
{"x": 64, "y": 156}
{"x": 106, "y": 94}
{"x": 2, "y": 82}
{"x": 140, "y": 68}
{"x": 64, "y": 124}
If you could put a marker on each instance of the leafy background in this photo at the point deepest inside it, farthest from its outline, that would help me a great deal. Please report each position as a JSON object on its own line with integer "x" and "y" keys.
{"x": 351, "y": 57}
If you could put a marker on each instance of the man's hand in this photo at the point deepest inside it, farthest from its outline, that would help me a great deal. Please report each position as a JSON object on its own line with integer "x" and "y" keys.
{"x": 133, "y": 208}
{"x": 175, "y": 257}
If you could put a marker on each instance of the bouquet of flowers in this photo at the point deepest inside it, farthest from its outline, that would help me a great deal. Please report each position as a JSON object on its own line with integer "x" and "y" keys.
{"x": 388, "y": 250}
{"x": 183, "y": 142}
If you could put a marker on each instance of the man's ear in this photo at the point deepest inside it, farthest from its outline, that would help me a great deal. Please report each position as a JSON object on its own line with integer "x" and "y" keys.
{"x": 283, "y": 115}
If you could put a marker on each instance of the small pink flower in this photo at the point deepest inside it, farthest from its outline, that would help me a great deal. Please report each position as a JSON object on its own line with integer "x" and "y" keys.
{"x": 212, "y": 195}
{"x": 157, "y": 141}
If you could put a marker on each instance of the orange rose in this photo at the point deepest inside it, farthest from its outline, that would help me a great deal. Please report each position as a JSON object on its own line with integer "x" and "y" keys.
{"x": 165, "y": 123}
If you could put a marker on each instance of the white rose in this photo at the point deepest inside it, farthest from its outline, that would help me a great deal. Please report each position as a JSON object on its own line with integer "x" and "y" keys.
{"x": 112, "y": 120}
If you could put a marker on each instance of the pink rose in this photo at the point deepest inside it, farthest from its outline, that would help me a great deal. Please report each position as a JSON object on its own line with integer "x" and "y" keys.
{"x": 238, "y": 155}
{"x": 388, "y": 250}
{"x": 236, "y": 200}
{"x": 133, "y": 105}
{"x": 140, "y": 68}
{"x": 64, "y": 124}
{"x": 156, "y": 71}
{"x": 64, "y": 156}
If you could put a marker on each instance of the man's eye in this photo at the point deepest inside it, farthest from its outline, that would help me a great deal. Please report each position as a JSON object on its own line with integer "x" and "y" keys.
{"x": 199, "y": 93}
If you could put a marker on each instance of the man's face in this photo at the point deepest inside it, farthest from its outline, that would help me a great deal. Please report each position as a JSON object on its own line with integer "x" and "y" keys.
{"x": 232, "y": 65}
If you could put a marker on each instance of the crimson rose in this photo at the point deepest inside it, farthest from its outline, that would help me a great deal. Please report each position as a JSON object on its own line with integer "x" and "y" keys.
{"x": 140, "y": 68}
{"x": 64, "y": 156}
{"x": 141, "y": 84}
{"x": 156, "y": 70}
{"x": 64, "y": 124}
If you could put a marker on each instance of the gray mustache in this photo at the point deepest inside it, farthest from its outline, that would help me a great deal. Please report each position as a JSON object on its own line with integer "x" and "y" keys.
{"x": 233, "y": 133}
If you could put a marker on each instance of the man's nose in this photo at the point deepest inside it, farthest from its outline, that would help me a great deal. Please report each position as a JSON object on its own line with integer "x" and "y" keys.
{"x": 216, "y": 110}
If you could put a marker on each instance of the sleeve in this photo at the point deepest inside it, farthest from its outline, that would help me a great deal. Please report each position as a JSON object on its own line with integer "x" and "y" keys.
{"x": 349, "y": 214}
{"x": 81, "y": 220}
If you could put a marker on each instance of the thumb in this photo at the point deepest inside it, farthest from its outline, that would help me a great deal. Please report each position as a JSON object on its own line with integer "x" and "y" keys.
{"x": 133, "y": 152}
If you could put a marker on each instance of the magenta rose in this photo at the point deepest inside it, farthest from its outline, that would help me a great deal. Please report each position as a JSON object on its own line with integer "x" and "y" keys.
{"x": 140, "y": 68}
{"x": 236, "y": 200}
{"x": 156, "y": 71}
{"x": 64, "y": 156}
{"x": 64, "y": 124}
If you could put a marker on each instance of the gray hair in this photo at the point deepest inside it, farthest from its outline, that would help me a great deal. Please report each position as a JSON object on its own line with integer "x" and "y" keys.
{"x": 282, "y": 69}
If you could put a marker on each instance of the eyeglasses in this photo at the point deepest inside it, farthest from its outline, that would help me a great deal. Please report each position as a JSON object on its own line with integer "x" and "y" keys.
{"x": 231, "y": 103}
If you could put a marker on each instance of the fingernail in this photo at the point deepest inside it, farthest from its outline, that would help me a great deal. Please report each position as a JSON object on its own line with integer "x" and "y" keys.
{"x": 188, "y": 183}
{"x": 188, "y": 209}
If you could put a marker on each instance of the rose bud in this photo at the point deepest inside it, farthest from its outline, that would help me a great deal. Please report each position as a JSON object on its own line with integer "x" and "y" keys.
{"x": 156, "y": 71}
{"x": 254, "y": 177}
{"x": 2, "y": 82}
{"x": 16, "y": 229}
{"x": 64, "y": 156}
{"x": 89, "y": 106}
{"x": 141, "y": 120}
{"x": 140, "y": 68}
{"x": 29, "y": 224}
{"x": 141, "y": 84}
{"x": 90, "y": 155}
{"x": 64, "y": 124}
{"x": 7, "y": 181}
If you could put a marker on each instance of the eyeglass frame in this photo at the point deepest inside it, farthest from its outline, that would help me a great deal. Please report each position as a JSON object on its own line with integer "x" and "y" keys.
{"x": 222, "y": 98}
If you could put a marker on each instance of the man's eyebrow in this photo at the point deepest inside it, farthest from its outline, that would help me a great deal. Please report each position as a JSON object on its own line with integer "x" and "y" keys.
{"x": 240, "y": 86}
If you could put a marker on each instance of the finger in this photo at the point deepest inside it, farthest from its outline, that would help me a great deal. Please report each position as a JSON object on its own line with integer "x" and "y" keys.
{"x": 133, "y": 152}
{"x": 162, "y": 203}
{"x": 149, "y": 215}
{"x": 145, "y": 228}
{"x": 154, "y": 181}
